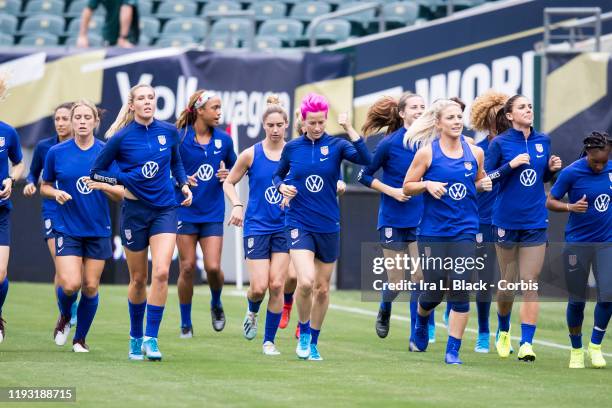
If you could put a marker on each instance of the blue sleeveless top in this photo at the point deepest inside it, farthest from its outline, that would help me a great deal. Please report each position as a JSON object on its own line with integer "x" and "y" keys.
{"x": 263, "y": 214}
{"x": 456, "y": 213}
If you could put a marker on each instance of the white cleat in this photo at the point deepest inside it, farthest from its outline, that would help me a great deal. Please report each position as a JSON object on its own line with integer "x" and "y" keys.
{"x": 80, "y": 347}
{"x": 186, "y": 333}
{"x": 2, "y": 329}
{"x": 269, "y": 349}
{"x": 249, "y": 326}
{"x": 62, "y": 330}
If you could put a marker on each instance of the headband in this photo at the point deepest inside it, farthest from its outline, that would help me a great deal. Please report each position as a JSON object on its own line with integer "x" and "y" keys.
{"x": 203, "y": 98}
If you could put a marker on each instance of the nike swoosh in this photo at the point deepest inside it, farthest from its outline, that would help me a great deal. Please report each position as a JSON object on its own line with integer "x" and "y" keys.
{"x": 324, "y": 159}
{"x": 295, "y": 242}
{"x": 388, "y": 240}
{"x": 59, "y": 251}
{"x": 217, "y": 152}
{"x": 161, "y": 149}
{"x": 248, "y": 252}
{"x": 572, "y": 269}
{"x": 129, "y": 242}
{"x": 468, "y": 174}
{"x": 539, "y": 156}
{"x": 2, "y": 150}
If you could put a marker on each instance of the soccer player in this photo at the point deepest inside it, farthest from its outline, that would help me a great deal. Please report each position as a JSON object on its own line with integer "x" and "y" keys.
{"x": 145, "y": 150}
{"x": 63, "y": 131}
{"x": 207, "y": 154}
{"x": 398, "y": 214}
{"x": 265, "y": 239}
{"x": 10, "y": 149}
{"x": 450, "y": 170}
{"x": 313, "y": 220}
{"x": 483, "y": 118}
{"x": 82, "y": 223}
{"x": 520, "y": 160}
{"x": 587, "y": 183}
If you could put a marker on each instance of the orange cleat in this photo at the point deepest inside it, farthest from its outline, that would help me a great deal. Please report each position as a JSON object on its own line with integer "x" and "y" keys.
{"x": 286, "y": 316}
{"x": 297, "y": 331}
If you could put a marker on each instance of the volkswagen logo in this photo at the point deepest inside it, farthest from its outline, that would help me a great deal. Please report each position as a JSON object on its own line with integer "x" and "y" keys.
{"x": 273, "y": 196}
{"x": 81, "y": 186}
{"x": 205, "y": 172}
{"x": 149, "y": 170}
{"x": 314, "y": 183}
{"x": 457, "y": 191}
{"x": 528, "y": 177}
{"x": 602, "y": 202}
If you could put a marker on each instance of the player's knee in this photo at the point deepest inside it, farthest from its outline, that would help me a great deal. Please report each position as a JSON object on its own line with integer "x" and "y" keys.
{"x": 90, "y": 289}
{"x": 321, "y": 292}
{"x": 461, "y": 306}
{"x": 305, "y": 286}
{"x": 213, "y": 269}
{"x": 160, "y": 275}
{"x": 187, "y": 269}
{"x": 276, "y": 285}
{"x": 258, "y": 291}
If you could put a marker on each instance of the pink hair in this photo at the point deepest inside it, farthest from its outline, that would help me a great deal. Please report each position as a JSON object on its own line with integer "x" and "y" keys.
{"x": 313, "y": 103}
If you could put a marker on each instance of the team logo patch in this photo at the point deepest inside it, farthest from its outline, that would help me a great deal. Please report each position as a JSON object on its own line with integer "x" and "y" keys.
{"x": 2, "y": 141}
{"x": 324, "y": 150}
{"x": 539, "y": 147}
{"x": 47, "y": 223}
{"x": 60, "y": 241}
{"x": 602, "y": 202}
{"x": 528, "y": 177}
{"x": 161, "y": 139}
{"x": 501, "y": 232}
{"x": 427, "y": 251}
{"x": 294, "y": 233}
{"x": 179, "y": 225}
{"x": 572, "y": 259}
{"x": 150, "y": 169}
{"x": 314, "y": 183}
{"x": 272, "y": 195}
{"x": 250, "y": 242}
{"x": 388, "y": 232}
{"x": 128, "y": 234}
{"x": 468, "y": 166}
{"x": 610, "y": 177}
{"x": 81, "y": 186}
{"x": 457, "y": 191}
{"x": 205, "y": 172}
{"x": 218, "y": 143}
{"x": 479, "y": 237}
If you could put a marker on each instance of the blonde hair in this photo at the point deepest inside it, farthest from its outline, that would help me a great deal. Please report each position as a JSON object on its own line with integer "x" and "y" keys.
{"x": 485, "y": 108}
{"x": 298, "y": 122}
{"x": 97, "y": 113}
{"x": 125, "y": 116}
{"x": 423, "y": 130}
{"x": 274, "y": 105}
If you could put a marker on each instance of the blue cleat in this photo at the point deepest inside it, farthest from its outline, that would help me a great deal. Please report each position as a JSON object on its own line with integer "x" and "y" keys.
{"x": 431, "y": 333}
{"x": 135, "y": 352}
{"x": 150, "y": 350}
{"x": 452, "y": 357}
{"x": 421, "y": 336}
{"x": 314, "y": 353}
{"x": 303, "y": 347}
{"x": 445, "y": 317}
{"x": 483, "y": 343}
{"x": 73, "y": 314}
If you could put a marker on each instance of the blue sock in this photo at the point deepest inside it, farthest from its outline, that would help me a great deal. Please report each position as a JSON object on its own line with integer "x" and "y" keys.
{"x": 387, "y": 298}
{"x": 137, "y": 312}
{"x": 576, "y": 340}
{"x": 85, "y": 315}
{"x": 254, "y": 306}
{"x": 574, "y": 313}
{"x": 185, "y": 314}
{"x": 289, "y": 298}
{"x": 484, "y": 309}
{"x": 154, "y": 318}
{"x": 453, "y": 344}
{"x": 304, "y": 327}
{"x": 432, "y": 318}
{"x": 272, "y": 321}
{"x": 414, "y": 306}
{"x": 449, "y": 306}
{"x": 422, "y": 321}
{"x": 603, "y": 310}
{"x": 503, "y": 322}
{"x": 3, "y": 292}
{"x": 66, "y": 301}
{"x": 527, "y": 333}
{"x": 215, "y": 300}
{"x": 314, "y": 335}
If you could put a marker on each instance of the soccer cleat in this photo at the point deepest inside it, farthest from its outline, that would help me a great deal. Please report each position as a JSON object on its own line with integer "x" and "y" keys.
{"x": 218, "y": 317}
{"x": 73, "y": 314}
{"x": 135, "y": 352}
{"x": 150, "y": 350}
{"x": 503, "y": 344}
{"x": 483, "y": 343}
{"x": 445, "y": 317}
{"x": 186, "y": 332}
{"x": 421, "y": 336}
{"x": 303, "y": 347}
{"x": 597, "y": 358}
{"x": 576, "y": 358}
{"x": 431, "y": 333}
{"x": 249, "y": 325}
{"x": 314, "y": 353}
{"x": 2, "y": 329}
{"x": 452, "y": 357}
{"x": 526, "y": 353}
{"x": 297, "y": 331}
{"x": 269, "y": 349}
{"x": 79, "y": 346}
{"x": 412, "y": 347}
{"x": 286, "y": 316}
{"x": 62, "y": 330}
{"x": 382, "y": 323}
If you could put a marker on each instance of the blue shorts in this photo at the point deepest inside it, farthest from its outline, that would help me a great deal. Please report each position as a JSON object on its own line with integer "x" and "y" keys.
{"x": 507, "y": 238}
{"x": 201, "y": 229}
{"x": 85, "y": 247}
{"x": 47, "y": 228}
{"x": 263, "y": 246}
{"x": 579, "y": 258}
{"x": 326, "y": 246}
{"x": 396, "y": 239}
{"x": 5, "y": 226}
{"x": 140, "y": 222}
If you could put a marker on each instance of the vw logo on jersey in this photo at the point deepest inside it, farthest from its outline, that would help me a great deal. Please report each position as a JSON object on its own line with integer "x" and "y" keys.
{"x": 2, "y": 141}
{"x": 272, "y": 195}
{"x": 81, "y": 186}
{"x": 149, "y": 169}
{"x": 602, "y": 202}
{"x": 161, "y": 139}
{"x": 205, "y": 172}
{"x": 468, "y": 166}
{"x": 218, "y": 143}
{"x": 324, "y": 150}
{"x": 314, "y": 183}
{"x": 457, "y": 191}
{"x": 528, "y": 177}
{"x": 610, "y": 177}
{"x": 539, "y": 147}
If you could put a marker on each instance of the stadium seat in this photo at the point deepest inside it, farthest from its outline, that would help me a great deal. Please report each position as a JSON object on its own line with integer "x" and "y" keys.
{"x": 265, "y": 10}
{"x": 145, "y": 8}
{"x": 237, "y": 28}
{"x": 39, "y": 39}
{"x": 149, "y": 26}
{"x": 95, "y": 40}
{"x": 43, "y": 23}
{"x": 6, "y": 40}
{"x": 178, "y": 40}
{"x": 34, "y": 7}
{"x": 10, "y": 7}
{"x": 266, "y": 42}
{"x": 195, "y": 27}
{"x": 335, "y": 30}
{"x": 222, "y": 43}
{"x": 309, "y": 9}
{"x": 8, "y": 24}
{"x": 288, "y": 30}
{"x": 177, "y": 8}
{"x": 144, "y": 40}
{"x": 400, "y": 14}
{"x": 95, "y": 25}
{"x": 221, "y": 7}
{"x": 364, "y": 18}
{"x": 75, "y": 9}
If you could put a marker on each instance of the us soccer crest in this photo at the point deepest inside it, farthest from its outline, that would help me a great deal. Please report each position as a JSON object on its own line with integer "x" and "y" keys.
{"x": 479, "y": 238}
{"x": 468, "y": 166}
{"x": 250, "y": 242}
{"x": 60, "y": 241}
{"x": 388, "y": 232}
{"x": 501, "y": 232}
{"x": 573, "y": 260}
{"x": 48, "y": 223}
{"x": 2, "y": 141}
{"x": 324, "y": 150}
{"x": 539, "y": 147}
{"x": 294, "y": 233}
{"x": 161, "y": 139}
{"x": 218, "y": 143}
{"x": 128, "y": 234}
{"x": 610, "y": 177}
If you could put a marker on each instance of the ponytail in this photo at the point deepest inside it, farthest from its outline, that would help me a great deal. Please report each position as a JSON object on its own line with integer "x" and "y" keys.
{"x": 273, "y": 105}
{"x": 383, "y": 113}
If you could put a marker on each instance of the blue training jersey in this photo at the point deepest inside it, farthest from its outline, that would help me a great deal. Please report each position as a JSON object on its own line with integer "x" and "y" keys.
{"x": 87, "y": 214}
{"x": 456, "y": 213}
{"x": 10, "y": 149}
{"x": 203, "y": 161}
{"x": 521, "y": 200}
{"x": 263, "y": 213}
{"x": 576, "y": 180}
{"x": 395, "y": 159}
{"x": 145, "y": 155}
{"x": 313, "y": 167}
{"x": 49, "y": 205}
{"x": 486, "y": 199}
